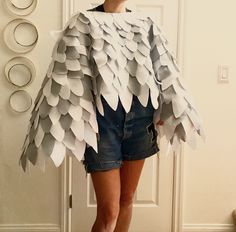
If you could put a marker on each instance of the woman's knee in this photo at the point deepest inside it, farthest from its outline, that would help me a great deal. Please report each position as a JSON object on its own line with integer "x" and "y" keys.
{"x": 126, "y": 199}
{"x": 109, "y": 211}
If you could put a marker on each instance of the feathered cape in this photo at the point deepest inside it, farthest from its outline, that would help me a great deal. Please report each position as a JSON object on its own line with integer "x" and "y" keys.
{"x": 115, "y": 55}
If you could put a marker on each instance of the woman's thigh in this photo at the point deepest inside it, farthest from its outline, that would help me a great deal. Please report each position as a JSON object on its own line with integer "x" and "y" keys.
{"x": 107, "y": 188}
{"x": 130, "y": 173}
{"x": 117, "y": 184}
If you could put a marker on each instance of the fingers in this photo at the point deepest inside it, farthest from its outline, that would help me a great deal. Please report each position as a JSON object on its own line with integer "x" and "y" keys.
{"x": 160, "y": 122}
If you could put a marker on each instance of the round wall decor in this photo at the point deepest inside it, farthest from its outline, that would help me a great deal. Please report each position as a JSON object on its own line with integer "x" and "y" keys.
{"x": 20, "y": 101}
{"x": 20, "y": 35}
{"x": 19, "y": 7}
{"x": 20, "y": 71}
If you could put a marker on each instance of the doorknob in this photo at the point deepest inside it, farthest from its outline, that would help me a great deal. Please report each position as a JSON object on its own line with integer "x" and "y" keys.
{"x": 234, "y": 216}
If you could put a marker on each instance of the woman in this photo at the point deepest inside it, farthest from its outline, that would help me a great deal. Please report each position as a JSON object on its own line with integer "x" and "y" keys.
{"x": 115, "y": 172}
{"x": 115, "y": 187}
{"x": 135, "y": 82}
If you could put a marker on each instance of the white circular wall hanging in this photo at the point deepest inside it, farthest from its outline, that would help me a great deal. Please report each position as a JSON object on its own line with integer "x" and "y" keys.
{"x": 20, "y": 101}
{"x": 20, "y": 7}
{"x": 20, "y": 35}
{"x": 20, "y": 71}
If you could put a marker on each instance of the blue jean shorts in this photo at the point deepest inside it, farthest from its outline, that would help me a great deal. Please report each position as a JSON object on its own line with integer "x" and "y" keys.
{"x": 122, "y": 136}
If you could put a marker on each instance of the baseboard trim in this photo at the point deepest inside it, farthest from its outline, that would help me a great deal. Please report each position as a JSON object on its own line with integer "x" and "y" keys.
{"x": 209, "y": 228}
{"x": 30, "y": 227}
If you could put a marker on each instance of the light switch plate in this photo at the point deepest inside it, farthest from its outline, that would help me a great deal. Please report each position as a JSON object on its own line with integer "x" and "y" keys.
{"x": 223, "y": 74}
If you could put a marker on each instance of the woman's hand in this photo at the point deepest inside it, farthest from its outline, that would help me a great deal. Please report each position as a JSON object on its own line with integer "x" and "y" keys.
{"x": 160, "y": 122}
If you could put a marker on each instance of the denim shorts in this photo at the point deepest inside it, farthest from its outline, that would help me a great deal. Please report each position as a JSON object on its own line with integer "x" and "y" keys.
{"x": 122, "y": 136}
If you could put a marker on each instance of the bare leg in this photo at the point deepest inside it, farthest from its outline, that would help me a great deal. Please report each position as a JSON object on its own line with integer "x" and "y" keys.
{"x": 107, "y": 189}
{"x": 130, "y": 172}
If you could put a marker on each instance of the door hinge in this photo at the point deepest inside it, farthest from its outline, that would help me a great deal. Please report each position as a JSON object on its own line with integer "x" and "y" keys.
{"x": 70, "y": 201}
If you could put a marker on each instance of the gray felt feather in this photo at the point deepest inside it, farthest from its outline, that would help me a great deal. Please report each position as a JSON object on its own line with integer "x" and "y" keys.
{"x": 116, "y": 55}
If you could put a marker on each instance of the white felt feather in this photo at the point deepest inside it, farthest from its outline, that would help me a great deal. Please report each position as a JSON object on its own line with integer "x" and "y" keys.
{"x": 115, "y": 56}
{"x": 176, "y": 109}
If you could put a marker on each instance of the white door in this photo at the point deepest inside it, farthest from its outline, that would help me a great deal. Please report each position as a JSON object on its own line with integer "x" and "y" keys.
{"x": 152, "y": 210}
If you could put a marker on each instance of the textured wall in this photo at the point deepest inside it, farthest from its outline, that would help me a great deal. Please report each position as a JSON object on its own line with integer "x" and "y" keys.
{"x": 209, "y": 175}
{"x": 26, "y": 199}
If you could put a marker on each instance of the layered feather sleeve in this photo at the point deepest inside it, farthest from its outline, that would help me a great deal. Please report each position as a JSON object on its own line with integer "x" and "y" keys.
{"x": 182, "y": 122}
{"x": 63, "y": 119}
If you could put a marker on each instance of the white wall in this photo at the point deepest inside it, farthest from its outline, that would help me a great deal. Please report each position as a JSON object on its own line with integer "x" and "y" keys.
{"x": 209, "y": 174}
{"x": 35, "y": 199}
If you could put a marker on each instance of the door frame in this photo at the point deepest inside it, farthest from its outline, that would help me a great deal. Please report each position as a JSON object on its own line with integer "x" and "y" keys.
{"x": 178, "y": 172}
{"x": 178, "y": 161}
{"x": 66, "y": 168}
